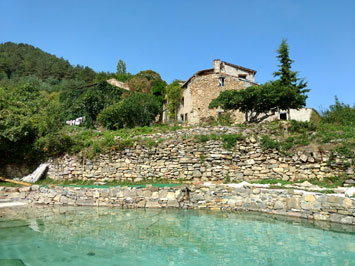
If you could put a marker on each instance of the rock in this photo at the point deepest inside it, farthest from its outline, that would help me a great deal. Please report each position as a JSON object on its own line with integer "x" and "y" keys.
{"x": 252, "y": 140}
{"x": 278, "y": 170}
{"x": 171, "y": 196}
{"x": 293, "y": 203}
{"x": 197, "y": 173}
{"x": 285, "y": 178}
{"x": 173, "y": 203}
{"x": 350, "y": 192}
{"x": 256, "y": 191}
{"x": 347, "y": 203}
{"x": 250, "y": 162}
{"x": 350, "y": 171}
{"x": 303, "y": 158}
{"x": 310, "y": 197}
{"x": 350, "y": 182}
{"x": 239, "y": 185}
{"x": 279, "y": 205}
{"x": 306, "y": 184}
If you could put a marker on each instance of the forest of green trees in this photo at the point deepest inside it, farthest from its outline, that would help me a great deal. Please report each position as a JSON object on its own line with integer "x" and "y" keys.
{"x": 39, "y": 92}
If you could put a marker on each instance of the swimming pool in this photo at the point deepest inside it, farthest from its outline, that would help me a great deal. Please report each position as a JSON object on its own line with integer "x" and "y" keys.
{"x": 112, "y": 236}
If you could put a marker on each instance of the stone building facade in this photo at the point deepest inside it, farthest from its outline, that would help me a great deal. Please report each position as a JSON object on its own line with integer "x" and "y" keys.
{"x": 204, "y": 86}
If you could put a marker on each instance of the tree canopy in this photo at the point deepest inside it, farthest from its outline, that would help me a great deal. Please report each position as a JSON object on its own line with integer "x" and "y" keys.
{"x": 138, "y": 109}
{"x": 18, "y": 60}
{"x": 173, "y": 96}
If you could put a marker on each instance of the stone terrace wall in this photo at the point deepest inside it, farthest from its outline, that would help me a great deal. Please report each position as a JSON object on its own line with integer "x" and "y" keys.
{"x": 180, "y": 157}
{"x": 295, "y": 203}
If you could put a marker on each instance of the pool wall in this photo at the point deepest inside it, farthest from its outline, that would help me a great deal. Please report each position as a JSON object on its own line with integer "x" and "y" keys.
{"x": 296, "y": 203}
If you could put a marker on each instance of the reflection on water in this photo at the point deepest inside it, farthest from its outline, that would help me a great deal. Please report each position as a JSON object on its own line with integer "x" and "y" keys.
{"x": 90, "y": 236}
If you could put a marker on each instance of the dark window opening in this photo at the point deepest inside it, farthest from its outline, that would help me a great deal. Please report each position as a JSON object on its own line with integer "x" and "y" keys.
{"x": 221, "y": 81}
{"x": 182, "y": 101}
{"x": 283, "y": 116}
{"x": 242, "y": 76}
{"x": 182, "y": 117}
{"x": 186, "y": 117}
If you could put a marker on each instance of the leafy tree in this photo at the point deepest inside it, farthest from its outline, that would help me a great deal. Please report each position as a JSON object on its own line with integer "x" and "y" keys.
{"x": 262, "y": 101}
{"x": 138, "y": 109}
{"x": 122, "y": 74}
{"x": 173, "y": 96}
{"x": 121, "y": 67}
{"x": 103, "y": 76}
{"x": 340, "y": 113}
{"x": 25, "y": 116}
{"x": 140, "y": 84}
{"x": 89, "y": 101}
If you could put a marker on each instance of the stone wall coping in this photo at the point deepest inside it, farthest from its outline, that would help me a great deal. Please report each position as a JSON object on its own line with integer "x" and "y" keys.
{"x": 303, "y": 204}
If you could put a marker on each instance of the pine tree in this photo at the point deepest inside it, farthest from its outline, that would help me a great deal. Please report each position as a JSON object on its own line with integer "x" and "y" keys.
{"x": 287, "y": 76}
{"x": 288, "y": 82}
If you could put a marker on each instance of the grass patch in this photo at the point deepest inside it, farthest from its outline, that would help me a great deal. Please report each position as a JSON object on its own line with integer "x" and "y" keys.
{"x": 48, "y": 181}
{"x": 328, "y": 182}
{"x": 229, "y": 140}
{"x": 8, "y": 184}
{"x": 271, "y": 182}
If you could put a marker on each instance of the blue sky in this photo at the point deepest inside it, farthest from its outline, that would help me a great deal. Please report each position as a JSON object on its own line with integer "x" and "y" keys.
{"x": 178, "y": 38}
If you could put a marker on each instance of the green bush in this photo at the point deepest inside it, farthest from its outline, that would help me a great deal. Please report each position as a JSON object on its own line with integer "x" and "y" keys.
{"x": 229, "y": 140}
{"x": 288, "y": 144}
{"x": 138, "y": 109}
{"x": 202, "y": 138}
{"x": 54, "y": 144}
{"x": 267, "y": 143}
{"x": 300, "y": 127}
{"x": 340, "y": 113}
{"x": 225, "y": 119}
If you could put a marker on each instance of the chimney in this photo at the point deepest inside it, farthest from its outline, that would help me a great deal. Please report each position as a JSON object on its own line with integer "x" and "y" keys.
{"x": 217, "y": 65}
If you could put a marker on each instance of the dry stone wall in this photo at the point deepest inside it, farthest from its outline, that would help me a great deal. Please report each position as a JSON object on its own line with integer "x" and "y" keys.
{"x": 295, "y": 203}
{"x": 180, "y": 157}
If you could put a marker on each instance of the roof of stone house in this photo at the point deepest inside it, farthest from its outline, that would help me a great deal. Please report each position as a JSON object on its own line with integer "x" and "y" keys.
{"x": 197, "y": 74}
{"x": 240, "y": 67}
{"x": 210, "y": 71}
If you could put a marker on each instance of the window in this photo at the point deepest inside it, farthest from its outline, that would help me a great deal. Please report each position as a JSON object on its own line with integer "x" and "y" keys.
{"x": 186, "y": 117}
{"x": 242, "y": 76}
{"x": 182, "y": 117}
{"x": 283, "y": 116}
{"x": 221, "y": 81}
{"x": 182, "y": 101}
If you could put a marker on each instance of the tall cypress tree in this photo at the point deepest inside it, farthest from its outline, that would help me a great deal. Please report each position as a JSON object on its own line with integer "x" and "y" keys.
{"x": 288, "y": 81}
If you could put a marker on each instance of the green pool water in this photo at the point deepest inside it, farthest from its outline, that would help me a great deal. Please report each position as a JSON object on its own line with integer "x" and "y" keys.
{"x": 110, "y": 236}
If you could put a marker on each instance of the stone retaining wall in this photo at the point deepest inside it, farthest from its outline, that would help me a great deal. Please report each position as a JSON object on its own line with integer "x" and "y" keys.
{"x": 178, "y": 156}
{"x": 295, "y": 203}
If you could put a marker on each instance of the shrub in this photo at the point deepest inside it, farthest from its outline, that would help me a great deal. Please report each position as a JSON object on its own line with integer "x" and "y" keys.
{"x": 300, "y": 127}
{"x": 225, "y": 119}
{"x": 267, "y": 143}
{"x": 340, "y": 113}
{"x": 202, "y": 138}
{"x": 288, "y": 144}
{"x": 54, "y": 144}
{"x": 230, "y": 140}
{"x": 138, "y": 109}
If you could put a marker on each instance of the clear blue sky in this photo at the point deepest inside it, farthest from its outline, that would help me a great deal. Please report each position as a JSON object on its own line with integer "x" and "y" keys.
{"x": 178, "y": 38}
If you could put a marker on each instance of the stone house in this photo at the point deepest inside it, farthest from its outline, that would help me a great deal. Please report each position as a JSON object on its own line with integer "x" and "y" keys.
{"x": 205, "y": 85}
